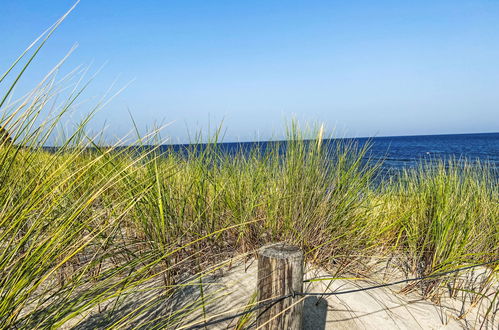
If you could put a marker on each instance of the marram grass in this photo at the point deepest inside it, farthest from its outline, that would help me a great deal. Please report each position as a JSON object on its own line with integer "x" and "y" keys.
{"x": 79, "y": 228}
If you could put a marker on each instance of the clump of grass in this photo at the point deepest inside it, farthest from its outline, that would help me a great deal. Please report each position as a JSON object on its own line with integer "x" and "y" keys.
{"x": 445, "y": 213}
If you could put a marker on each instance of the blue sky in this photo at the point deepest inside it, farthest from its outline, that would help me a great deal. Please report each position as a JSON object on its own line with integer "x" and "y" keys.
{"x": 363, "y": 68}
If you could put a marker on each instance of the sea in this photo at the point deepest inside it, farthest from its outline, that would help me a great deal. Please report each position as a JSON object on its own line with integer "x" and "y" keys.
{"x": 397, "y": 152}
{"x": 409, "y": 151}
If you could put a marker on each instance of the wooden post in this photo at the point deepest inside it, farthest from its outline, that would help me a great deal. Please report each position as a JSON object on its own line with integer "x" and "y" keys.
{"x": 280, "y": 272}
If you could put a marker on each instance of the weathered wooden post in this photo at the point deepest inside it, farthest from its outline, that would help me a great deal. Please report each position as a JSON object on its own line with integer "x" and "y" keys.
{"x": 280, "y": 272}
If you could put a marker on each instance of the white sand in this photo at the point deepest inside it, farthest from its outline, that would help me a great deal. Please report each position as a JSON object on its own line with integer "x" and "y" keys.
{"x": 233, "y": 289}
{"x": 382, "y": 308}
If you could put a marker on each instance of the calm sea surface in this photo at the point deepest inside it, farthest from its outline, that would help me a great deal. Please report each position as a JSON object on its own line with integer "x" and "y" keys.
{"x": 407, "y": 151}
{"x": 404, "y": 151}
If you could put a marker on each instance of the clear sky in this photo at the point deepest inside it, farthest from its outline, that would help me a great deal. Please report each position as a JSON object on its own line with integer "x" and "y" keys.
{"x": 363, "y": 67}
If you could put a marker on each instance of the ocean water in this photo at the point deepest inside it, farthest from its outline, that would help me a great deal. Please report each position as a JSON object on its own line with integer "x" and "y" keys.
{"x": 398, "y": 152}
{"x": 408, "y": 151}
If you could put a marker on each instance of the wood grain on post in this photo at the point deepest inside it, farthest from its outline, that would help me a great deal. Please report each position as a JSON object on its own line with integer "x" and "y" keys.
{"x": 280, "y": 272}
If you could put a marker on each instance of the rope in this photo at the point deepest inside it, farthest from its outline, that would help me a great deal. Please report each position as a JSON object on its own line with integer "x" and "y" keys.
{"x": 268, "y": 304}
{"x": 395, "y": 283}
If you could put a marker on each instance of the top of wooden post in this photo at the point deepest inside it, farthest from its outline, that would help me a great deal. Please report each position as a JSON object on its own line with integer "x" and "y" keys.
{"x": 281, "y": 251}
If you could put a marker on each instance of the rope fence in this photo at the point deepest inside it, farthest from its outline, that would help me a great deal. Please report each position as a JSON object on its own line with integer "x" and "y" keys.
{"x": 268, "y": 304}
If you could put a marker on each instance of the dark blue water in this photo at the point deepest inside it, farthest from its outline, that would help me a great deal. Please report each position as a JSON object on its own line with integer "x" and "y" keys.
{"x": 408, "y": 151}
{"x": 398, "y": 152}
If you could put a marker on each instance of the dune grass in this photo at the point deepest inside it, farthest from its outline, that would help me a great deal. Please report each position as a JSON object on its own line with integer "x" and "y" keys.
{"x": 84, "y": 224}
